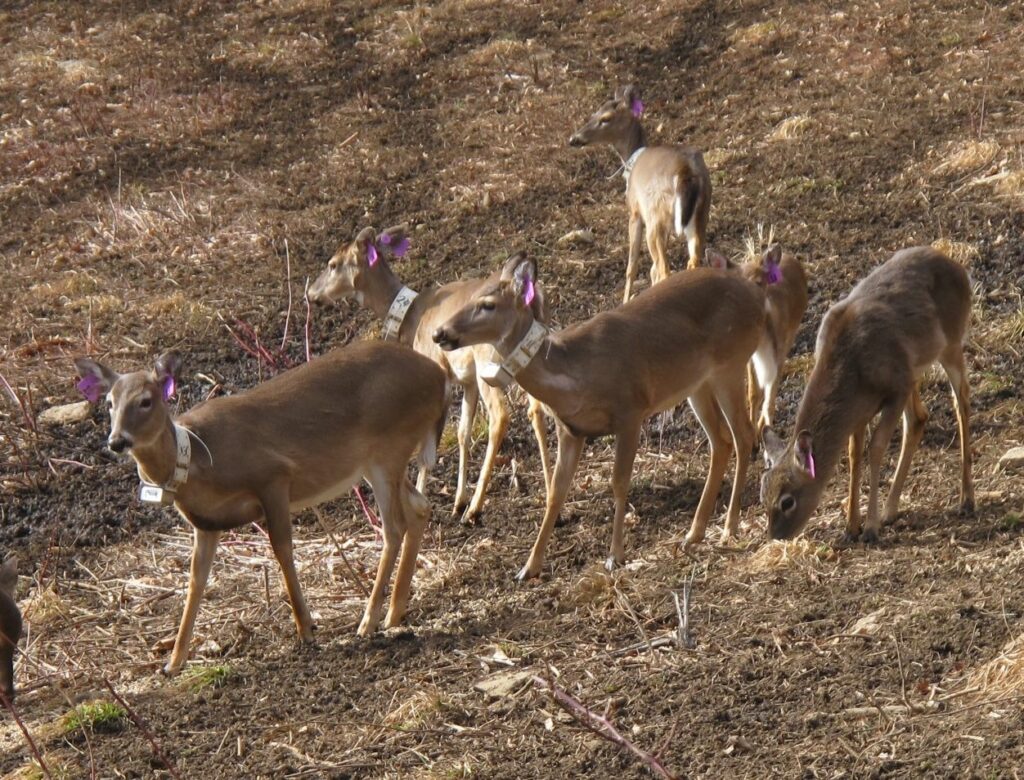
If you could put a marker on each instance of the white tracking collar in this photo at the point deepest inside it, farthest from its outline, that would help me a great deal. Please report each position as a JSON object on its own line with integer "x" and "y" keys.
{"x": 164, "y": 494}
{"x": 627, "y": 167}
{"x": 396, "y": 314}
{"x": 503, "y": 374}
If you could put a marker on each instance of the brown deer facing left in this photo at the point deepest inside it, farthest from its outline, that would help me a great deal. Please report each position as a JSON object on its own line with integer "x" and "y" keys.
{"x": 668, "y": 188}
{"x": 306, "y": 436}
{"x": 873, "y": 346}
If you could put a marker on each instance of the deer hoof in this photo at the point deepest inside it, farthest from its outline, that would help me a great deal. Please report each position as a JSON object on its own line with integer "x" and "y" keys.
{"x": 869, "y": 536}
{"x": 527, "y": 573}
{"x": 611, "y": 563}
{"x": 967, "y": 507}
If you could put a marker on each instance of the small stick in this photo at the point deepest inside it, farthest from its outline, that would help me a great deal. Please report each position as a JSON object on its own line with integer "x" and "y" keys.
{"x": 288, "y": 285}
{"x": 266, "y": 585}
{"x": 370, "y": 516}
{"x": 141, "y": 725}
{"x": 305, "y": 294}
{"x": 600, "y": 726}
{"x": 344, "y": 558}
{"x": 28, "y": 737}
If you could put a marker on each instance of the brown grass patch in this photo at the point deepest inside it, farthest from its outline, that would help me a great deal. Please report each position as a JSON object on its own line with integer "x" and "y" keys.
{"x": 968, "y": 156}
{"x": 792, "y": 128}
{"x": 1001, "y": 677}
{"x": 960, "y": 251}
{"x": 757, "y": 34}
{"x": 799, "y": 553}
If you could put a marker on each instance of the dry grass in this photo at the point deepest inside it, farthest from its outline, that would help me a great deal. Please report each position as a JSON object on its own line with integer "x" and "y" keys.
{"x": 796, "y": 553}
{"x": 967, "y": 156}
{"x": 1001, "y": 677}
{"x": 755, "y": 243}
{"x": 757, "y": 34}
{"x": 792, "y": 128}
{"x": 960, "y": 251}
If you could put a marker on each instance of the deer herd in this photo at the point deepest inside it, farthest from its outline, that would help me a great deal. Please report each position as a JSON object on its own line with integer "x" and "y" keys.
{"x": 715, "y": 335}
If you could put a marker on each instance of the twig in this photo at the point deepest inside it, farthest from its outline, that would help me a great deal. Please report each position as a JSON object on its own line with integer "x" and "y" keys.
{"x": 305, "y": 294}
{"x": 141, "y": 725}
{"x": 370, "y": 516}
{"x": 683, "y": 615}
{"x": 341, "y": 552}
{"x": 903, "y": 674}
{"x": 600, "y": 726}
{"x": 28, "y": 737}
{"x": 288, "y": 285}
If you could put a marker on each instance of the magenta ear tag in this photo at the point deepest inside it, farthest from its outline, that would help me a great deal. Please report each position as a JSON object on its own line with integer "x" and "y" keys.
{"x": 529, "y": 292}
{"x": 89, "y": 386}
{"x": 773, "y": 274}
{"x": 636, "y": 107}
{"x": 399, "y": 249}
{"x": 371, "y": 254}
{"x": 168, "y": 387}
{"x": 810, "y": 466}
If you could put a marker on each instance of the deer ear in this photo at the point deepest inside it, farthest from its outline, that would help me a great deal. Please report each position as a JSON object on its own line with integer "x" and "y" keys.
{"x": 804, "y": 453}
{"x": 395, "y": 240}
{"x": 521, "y": 272}
{"x": 773, "y": 446}
{"x": 717, "y": 260}
{"x": 366, "y": 246}
{"x": 96, "y": 379}
{"x": 630, "y": 95}
{"x": 770, "y": 264}
{"x": 167, "y": 371}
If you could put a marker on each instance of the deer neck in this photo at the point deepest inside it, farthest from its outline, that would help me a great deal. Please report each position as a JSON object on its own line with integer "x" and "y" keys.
{"x": 157, "y": 461}
{"x": 382, "y": 287}
{"x": 548, "y": 377}
{"x": 634, "y": 138}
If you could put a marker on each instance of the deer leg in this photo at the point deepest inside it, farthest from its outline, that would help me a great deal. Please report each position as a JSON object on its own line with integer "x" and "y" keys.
{"x": 279, "y": 528}
{"x": 729, "y": 396}
{"x": 385, "y": 490}
{"x": 635, "y": 240}
{"x": 568, "y": 459}
{"x": 753, "y": 393}
{"x": 204, "y": 547}
{"x": 540, "y": 429}
{"x": 470, "y": 399}
{"x": 627, "y": 439}
{"x": 696, "y": 230}
{"x": 855, "y": 451}
{"x": 914, "y": 418}
{"x": 703, "y": 404}
{"x": 656, "y": 247}
{"x": 497, "y": 425}
{"x": 416, "y": 512}
{"x": 956, "y": 369}
{"x": 876, "y": 451}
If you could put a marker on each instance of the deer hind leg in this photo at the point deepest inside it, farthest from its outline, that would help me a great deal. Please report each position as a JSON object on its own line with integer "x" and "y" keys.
{"x": 204, "y": 547}
{"x": 855, "y": 451}
{"x": 703, "y": 404}
{"x": 753, "y": 395}
{"x": 540, "y": 429}
{"x": 729, "y": 396}
{"x": 569, "y": 450}
{"x": 497, "y": 425}
{"x": 635, "y": 241}
{"x": 914, "y": 418}
{"x": 877, "y": 447}
{"x": 470, "y": 400}
{"x": 627, "y": 439}
{"x": 386, "y": 490}
{"x": 279, "y": 528}
{"x": 696, "y": 231}
{"x": 656, "y": 247}
{"x": 956, "y": 369}
{"x": 416, "y": 511}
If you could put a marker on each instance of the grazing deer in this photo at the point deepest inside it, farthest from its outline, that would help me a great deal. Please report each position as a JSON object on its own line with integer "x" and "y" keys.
{"x": 360, "y": 269}
{"x": 666, "y": 186}
{"x": 872, "y": 348}
{"x": 10, "y": 626}
{"x": 304, "y": 437}
{"x": 689, "y": 337}
{"x": 785, "y": 284}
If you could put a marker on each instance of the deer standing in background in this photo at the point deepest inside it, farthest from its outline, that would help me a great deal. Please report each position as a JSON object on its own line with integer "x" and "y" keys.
{"x": 667, "y": 187}
{"x": 785, "y": 285}
{"x": 872, "y": 348}
{"x": 10, "y": 626}
{"x": 687, "y": 338}
{"x": 360, "y": 269}
{"x": 306, "y": 436}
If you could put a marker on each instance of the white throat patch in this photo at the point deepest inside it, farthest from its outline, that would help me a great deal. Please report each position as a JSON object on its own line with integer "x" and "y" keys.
{"x": 503, "y": 374}
{"x": 164, "y": 494}
{"x": 396, "y": 314}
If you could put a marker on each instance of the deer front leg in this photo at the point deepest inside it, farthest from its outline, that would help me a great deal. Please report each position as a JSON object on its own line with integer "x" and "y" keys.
{"x": 627, "y": 439}
{"x": 635, "y": 247}
{"x": 470, "y": 399}
{"x": 569, "y": 450}
{"x": 876, "y": 451}
{"x": 279, "y": 528}
{"x": 540, "y": 429}
{"x": 855, "y": 451}
{"x": 204, "y": 547}
{"x": 497, "y": 425}
{"x": 956, "y": 370}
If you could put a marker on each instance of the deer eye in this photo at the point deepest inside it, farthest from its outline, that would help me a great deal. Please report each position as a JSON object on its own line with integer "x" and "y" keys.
{"x": 787, "y": 503}
{"x": 487, "y": 305}
{"x": 145, "y": 403}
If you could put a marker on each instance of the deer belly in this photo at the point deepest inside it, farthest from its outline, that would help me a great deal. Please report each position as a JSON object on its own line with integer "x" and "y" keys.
{"x": 304, "y": 496}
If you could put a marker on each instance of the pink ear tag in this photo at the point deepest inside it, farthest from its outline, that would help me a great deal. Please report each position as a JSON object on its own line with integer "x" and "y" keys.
{"x": 636, "y": 107}
{"x": 399, "y": 249}
{"x": 168, "y": 387}
{"x": 773, "y": 274}
{"x": 529, "y": 292}
{"x": 810, "y": 465}
{"x": 89, "y": 386}
{"x": 371, "y": 254}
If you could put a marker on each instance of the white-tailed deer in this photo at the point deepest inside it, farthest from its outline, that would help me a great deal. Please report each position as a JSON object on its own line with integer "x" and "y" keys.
{"x": 872, "y": 348}
{"x": 359, "y": 269}
{"x": 10, "y": 626}
{"x": 689, "y": 337}
{"x": 667, "y": 187}
{"x": 304, "y": 437}
{"x": 785, "y": 285}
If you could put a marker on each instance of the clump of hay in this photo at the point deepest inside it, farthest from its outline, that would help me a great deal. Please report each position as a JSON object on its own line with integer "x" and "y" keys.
{"x": 968, "y": 156}
{"x": 960, "y": 251}
{"x": 418, "y": 710}
{"x": 1011, "y": 186}
{"x": 1001, "y": 677}
{"x": 795, "y": 553}
{"x": 791, "y": 128}
{"x": 754, "y": 244}
{"x": 756, "y": 34}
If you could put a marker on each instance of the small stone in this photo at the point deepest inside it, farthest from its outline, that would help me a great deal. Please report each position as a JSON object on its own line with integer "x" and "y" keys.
{"x": 502, "y": 684}
{"x": 1012, "y": 459}
{"x": 581, "y": 236}
{"x": 66, "y": 414}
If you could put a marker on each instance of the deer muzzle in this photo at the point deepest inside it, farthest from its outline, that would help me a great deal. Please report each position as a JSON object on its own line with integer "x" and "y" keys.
{"x": 445, "y": 339}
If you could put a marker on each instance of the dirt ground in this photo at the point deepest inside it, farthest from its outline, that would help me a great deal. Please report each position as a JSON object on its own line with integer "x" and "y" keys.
{"x": 170, "y": 173}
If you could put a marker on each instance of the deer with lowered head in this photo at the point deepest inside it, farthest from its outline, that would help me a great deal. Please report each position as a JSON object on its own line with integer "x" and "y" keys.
{"x": 873, "y": 346}
{"x": 668, "y": 188}
{"x": 689, "y": 337}
{"x": 306, "y": 436}
{"x": 785, "y": 285}
{"x": 10, "y": 626}
{"x": 359, "y": 269}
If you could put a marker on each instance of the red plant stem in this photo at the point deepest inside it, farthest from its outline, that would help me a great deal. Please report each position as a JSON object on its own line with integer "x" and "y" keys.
{"x": 28, "y": 737}
{"x": 370, "y": 516}
{"x": 141, "y": 725}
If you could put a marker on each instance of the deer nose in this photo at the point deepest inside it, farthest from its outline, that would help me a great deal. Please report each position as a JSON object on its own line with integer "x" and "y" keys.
{"x": 118, "y": 443}
{"x": 576, "y": 140}
{"x": 444, "y": 339}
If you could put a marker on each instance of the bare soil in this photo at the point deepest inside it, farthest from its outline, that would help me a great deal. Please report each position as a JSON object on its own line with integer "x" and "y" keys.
{"x": 170, "y": 172}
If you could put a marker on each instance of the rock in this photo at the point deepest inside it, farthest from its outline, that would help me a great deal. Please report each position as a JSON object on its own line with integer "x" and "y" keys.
{"x": 66, "y": 413}
{"x": 583, "y": 236}
{"x": 503, "y": 684}
{"x": 1012, "y": 459}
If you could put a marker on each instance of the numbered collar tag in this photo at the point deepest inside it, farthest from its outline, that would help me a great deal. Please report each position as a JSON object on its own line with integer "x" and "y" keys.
{"x": 154, "y": 494}
{"x": 503, "y": 374}
{"x": 627, "y": 167}
{"x": 396, "y": 314}
{"x": 164, "y": 494}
